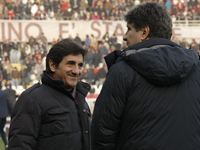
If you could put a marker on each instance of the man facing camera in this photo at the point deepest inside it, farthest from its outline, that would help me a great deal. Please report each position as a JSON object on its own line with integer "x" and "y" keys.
{"x": 54, "y": 114}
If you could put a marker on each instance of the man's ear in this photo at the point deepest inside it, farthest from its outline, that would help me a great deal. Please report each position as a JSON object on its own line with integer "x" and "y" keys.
{"x": 145, "y": 33}
{"x": 52, "y": 66}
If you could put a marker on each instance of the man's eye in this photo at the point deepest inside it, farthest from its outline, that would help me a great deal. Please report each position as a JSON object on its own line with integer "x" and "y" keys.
{"x": 80, "y": 65}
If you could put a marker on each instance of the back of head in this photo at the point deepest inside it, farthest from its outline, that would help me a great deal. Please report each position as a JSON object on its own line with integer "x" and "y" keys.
{"x": 153, "y": 15}
{"x": 61, "y": 49}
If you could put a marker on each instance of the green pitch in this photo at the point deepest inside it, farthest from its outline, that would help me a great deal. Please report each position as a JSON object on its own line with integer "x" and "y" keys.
{"x": 2, "y": 145}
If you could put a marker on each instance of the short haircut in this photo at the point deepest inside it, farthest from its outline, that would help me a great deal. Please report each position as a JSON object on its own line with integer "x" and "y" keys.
{"x": 60, "y": 50}
{"x": 153, "y": 15}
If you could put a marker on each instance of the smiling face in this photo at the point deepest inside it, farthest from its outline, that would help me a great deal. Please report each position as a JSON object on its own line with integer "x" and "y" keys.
{"x": 69, "y": 70}
{"x": 132, "y": 36}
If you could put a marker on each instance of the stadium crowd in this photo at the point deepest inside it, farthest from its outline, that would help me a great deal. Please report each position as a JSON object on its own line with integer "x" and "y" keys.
{"x": 31, "y": 54}
{"x": 89, "y": 9}
{"x": 23, "y": 62}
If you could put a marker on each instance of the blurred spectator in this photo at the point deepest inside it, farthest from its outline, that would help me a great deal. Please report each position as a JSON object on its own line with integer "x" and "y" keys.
{"x": 5, "y": 110}
{"x": 8, "y": 69}
{"x": 82, "y": 8}
{"x": 1, "y": 11}
{"x": 44, "y": 56}
{"x": 38, "y": 14}
{"x": 77, "y": 39}
{"x": 107, "y": 7}
{"x": 47, "y": 7}
{"x": 168, "y": 5}
{"x": 194, "y": 46}
{"x": 23, "y": 47}
{"x": 101, "y": 9}
{"x": 105, "y": 44}
{"x": 40, "y": 68}
{"x": 94, "y": 3}
{"x": 123, "y": 7}
{"x": 11, "y": 14}
{"x": 11, "y": 94}
{"x": 121, "y": 15}
{"x": 32, "y": 43}
{"x": 60, "y": 38}
{"x": 112, "y": 41}
{"x": 64, "y": 5}
{"x": 174, "y": 10}
{"x": 15, "y": 77}
{"x": 180, "y": 5}
{"x": 112, "y": 13}
{"x": 74, "y": 4}
{"x": 93, "y": 41}
{"x": 177, "y": 41}
{"x": 180, "y": 16}
{"x": 101, "y": 74}
{"x": 95, "y": 16}
{"x": 192, "y": 3}
{"x": 36, "y": 2}
{"x": 102, "y": 51}
{"x": 40, "y": 47}
{"x": 189, "y": 15}
{"x": 55, "y": 6}
{"x": 87, "y": 17}
{"x": 89, "y": 57}
{"x": 8, "y": 84}
{"x": 15, "y": 52}
{"x": 185, "y": 3}
{"x": 129, "y": 4}
{"x": 87, "y": 41}
{"x": 195, "y": 14}
{"x": 100, "y": 3}
{"x": 74, "y": 14}
{"x": 106, "y": 37}
{"x": 184, "y": 43}
{"x": 28, "y": 70}
{"x": 67, "y": 13}
{"x": 90, "y": 76}
{"x": 58, "y": 14}
{"x": 23, "y": 74}
{"x": 96, "y": 58}
{"x": 96, "y": 8}
{"x": 89, "y": 3}
{"x": 5, "y": 12}
{"x": 37, "y": 56}
{"x": 116, "y": 14}
{"x": 44, "y": 41}
{"x": 103, "y": 16}
{"x": 29, "y": 2}
{"x": 28, "y": 12}
{"x": 7, "y": 46}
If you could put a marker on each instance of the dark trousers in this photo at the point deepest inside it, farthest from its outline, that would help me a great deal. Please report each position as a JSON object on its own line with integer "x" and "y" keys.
{"x": 3, "y": 134}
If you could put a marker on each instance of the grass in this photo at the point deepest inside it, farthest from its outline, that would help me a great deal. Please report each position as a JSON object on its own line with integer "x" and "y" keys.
{"x": 2, "y": 147}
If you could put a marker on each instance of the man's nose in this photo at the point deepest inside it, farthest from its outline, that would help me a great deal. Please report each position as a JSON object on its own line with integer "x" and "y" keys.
{"x": 124, "y": 37}
{"x": 76, "y": 69}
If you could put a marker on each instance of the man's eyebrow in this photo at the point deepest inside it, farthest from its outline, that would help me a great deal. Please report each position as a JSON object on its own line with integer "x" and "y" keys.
{"x": 71, "y": 62}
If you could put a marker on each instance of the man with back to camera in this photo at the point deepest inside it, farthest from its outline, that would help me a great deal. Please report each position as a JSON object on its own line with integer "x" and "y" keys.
{"x": 54, "y": 115}
{"x": 150, "y": 99}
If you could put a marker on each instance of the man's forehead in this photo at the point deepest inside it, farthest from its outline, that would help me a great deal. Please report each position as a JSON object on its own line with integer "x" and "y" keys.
{"x": 75, "y": 58}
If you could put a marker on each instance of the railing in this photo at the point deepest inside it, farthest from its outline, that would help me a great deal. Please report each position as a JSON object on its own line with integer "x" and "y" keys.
{"x": 186, "y": 22}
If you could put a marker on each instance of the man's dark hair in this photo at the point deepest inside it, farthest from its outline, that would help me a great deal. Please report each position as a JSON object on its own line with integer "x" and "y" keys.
{"x": 153, "y": 15}
{"x": 60, "y": 50}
